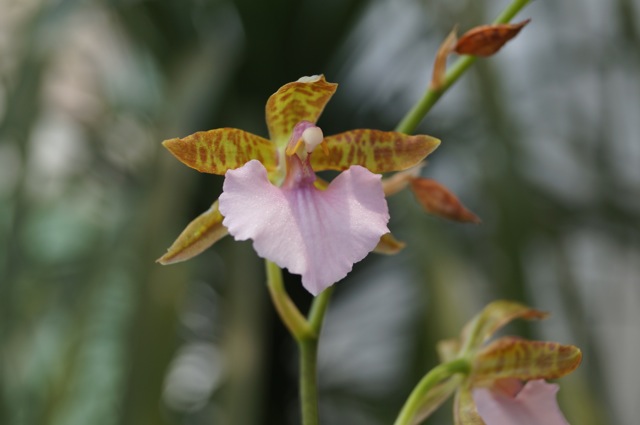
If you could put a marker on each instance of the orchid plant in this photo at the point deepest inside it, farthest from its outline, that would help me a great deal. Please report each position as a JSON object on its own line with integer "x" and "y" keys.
{"x": 318, "y": 229}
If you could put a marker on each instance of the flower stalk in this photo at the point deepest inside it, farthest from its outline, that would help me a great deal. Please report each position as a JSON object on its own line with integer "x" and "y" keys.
{"x": 287, "y": 310}
{"x": 306, "y": 332}
{"x": 308, "y": 348}
{"x": 410, "y": 122}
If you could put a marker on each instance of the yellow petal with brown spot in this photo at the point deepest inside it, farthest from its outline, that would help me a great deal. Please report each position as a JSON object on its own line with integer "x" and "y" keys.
{"x": 200, "y": 234}
{"x": 222, "y": 149}
{"x": 511, "y": 357}
{"x": 378, "y": 151}
{"x": 494, "y": 316}
{"x": 302, "y": 100}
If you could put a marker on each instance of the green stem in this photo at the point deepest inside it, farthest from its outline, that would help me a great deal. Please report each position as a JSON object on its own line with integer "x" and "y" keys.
{"x": 459, "y": 67}
{"x": 308, "y": 359}
{"x": 306, "y": 333}
{"x": 318, "y": 309}
{"x": 287, "y": 310}
{"x": 430, "y": 380}
{"x": 308, "y": 380}
{"x": 511, "y": 11}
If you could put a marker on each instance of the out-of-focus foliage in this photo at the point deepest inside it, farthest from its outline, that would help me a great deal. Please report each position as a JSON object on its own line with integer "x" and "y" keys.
{"x": 541, "y": 141}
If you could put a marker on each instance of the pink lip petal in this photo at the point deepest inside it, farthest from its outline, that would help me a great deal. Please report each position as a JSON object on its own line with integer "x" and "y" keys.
{"x": 535, "y": 404}
{"x": 317, "y": 234}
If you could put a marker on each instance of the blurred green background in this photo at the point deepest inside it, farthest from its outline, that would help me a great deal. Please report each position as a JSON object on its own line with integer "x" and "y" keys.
{"x": 541, "y": 141}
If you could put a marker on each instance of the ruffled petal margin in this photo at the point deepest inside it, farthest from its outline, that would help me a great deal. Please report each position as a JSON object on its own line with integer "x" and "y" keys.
{"x": 318, "y": 234}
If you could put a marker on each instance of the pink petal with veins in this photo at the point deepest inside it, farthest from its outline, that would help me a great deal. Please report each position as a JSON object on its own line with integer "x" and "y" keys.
{"x": 314, "y": 233}
{"x": 535, "y": 404}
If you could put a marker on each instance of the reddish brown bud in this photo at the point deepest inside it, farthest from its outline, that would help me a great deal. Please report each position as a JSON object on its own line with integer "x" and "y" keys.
{"x": 486, "y": 40}
{"x": 438, "y": 200}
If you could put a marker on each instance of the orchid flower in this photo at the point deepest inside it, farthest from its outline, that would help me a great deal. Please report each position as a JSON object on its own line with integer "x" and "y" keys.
{"x": 272, "y": 196}
{"x": 505, "y": 383}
